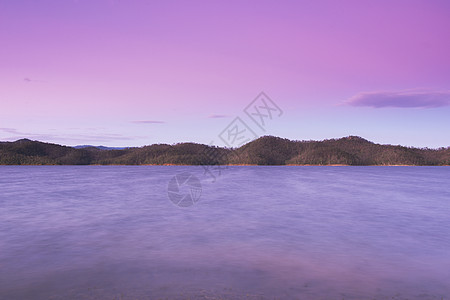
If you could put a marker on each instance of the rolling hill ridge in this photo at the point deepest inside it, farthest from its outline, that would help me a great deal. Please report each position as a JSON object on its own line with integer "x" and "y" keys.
{"x": 266, "y": 150}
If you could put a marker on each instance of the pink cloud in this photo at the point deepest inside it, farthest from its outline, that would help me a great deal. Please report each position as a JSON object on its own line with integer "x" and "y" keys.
{"x": 402, "y": 99}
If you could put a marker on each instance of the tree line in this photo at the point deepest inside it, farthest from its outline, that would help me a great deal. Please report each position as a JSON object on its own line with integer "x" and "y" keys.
{"x": 267, "y": 150}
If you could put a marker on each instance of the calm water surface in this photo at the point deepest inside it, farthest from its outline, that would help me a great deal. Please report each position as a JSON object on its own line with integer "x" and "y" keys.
{"x": 111, "y": 232}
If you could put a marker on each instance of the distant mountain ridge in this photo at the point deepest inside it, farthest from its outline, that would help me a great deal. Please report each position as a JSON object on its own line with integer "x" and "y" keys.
{"x": 99, "y": 147}
{"x": 266, "y": 150}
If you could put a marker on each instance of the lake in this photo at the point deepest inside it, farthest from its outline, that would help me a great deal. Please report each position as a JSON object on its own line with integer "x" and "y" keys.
{"x": 175, "y": 232}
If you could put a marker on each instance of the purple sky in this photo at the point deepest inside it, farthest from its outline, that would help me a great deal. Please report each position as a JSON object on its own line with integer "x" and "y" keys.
{"x": 131, "y": 73}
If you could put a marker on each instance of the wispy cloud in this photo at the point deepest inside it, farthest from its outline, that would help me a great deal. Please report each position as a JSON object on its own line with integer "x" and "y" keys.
{"x": 401, "y": 99}
{"x": 28, "y": 80}
{"x": 9, "y": 130}
{"x": 148, "y": 122}
{"x": 15, "y": 134}
{"x": 214, "y": 116}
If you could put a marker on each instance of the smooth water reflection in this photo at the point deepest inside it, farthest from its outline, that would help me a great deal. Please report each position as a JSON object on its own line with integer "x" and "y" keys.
{"x": 105, "y": 232}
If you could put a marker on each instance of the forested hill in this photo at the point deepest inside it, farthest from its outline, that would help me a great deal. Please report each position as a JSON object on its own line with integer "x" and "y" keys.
{"x": 267, "y": 150}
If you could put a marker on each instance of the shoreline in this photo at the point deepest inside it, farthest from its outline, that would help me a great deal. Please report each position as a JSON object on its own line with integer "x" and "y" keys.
{"x": 234, "y": 165}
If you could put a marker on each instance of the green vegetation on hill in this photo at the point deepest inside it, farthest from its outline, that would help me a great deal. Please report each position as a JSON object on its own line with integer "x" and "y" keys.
{"x": 267, "y": 150}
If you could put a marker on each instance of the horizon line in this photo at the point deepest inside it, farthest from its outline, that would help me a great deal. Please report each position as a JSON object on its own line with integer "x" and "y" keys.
{"x": 225, "y": 147}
